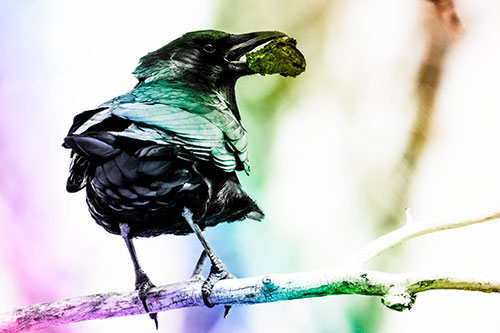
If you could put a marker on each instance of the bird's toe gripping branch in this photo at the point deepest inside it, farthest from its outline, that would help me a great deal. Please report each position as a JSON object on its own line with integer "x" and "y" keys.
{"x": 218, "y": 272}
{"x": 143, "y": 284}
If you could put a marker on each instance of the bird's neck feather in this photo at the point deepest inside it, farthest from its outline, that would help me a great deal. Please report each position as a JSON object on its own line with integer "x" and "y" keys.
{"x": 223, "y": 91}
{"x": 227, "y": 89}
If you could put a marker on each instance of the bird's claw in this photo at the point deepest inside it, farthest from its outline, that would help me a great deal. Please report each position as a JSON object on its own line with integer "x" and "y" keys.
{"x": 143, "y": 292}
{"x": 143, "y": 284}
{"x": 218, "y": 272}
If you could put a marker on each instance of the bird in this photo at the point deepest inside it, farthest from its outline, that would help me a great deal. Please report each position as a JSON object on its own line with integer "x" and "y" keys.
{"x": 163, "y": 158}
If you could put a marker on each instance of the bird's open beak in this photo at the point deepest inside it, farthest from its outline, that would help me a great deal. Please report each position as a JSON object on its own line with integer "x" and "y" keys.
{"x": 241, "y": 44}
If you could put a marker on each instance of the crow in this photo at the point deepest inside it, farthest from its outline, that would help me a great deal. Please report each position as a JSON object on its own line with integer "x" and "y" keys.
{"x": 162, "y": 158}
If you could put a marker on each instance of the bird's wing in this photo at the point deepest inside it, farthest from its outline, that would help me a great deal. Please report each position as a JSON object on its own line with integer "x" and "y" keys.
{"x": 207, "y": 139}
{"x": 201, "y": 122}
{"x": 208, "y": 134}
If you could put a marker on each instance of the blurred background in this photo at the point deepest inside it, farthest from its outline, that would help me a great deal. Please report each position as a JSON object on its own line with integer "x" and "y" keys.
{"x": 398, "y": 108}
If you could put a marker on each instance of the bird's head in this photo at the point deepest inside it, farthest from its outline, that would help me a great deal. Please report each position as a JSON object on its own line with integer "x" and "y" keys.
{"x": 206, "y": 57}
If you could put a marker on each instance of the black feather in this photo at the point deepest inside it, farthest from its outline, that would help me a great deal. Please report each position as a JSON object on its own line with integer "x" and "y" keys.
{"x": 77, "y": 174}
{"x": 93, "y": 146}
{"x": 81, "y": 118}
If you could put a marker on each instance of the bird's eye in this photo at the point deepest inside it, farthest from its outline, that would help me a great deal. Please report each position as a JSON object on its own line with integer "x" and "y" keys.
{"x": 209, "y": 48}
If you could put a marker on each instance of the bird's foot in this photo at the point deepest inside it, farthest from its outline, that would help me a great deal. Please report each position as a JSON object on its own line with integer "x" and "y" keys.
{"x": 143, "y": 284}
{"x": 218, "y": 272}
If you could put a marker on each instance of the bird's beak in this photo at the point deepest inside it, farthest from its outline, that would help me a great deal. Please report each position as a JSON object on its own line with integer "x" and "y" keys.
{"x": 241, "y": 44}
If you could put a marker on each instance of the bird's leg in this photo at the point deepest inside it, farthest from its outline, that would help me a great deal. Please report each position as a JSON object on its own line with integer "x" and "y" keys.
{"x": 199, "y": 265}
{"x": 218, "y": 271}
{"x": 142, "y": 282}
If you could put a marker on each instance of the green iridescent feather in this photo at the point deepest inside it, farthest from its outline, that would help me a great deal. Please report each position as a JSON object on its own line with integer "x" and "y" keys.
{"x": 201, "y": 122}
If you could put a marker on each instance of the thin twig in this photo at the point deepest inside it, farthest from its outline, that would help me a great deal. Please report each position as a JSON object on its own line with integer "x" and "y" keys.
{"x": 409, "y": 231}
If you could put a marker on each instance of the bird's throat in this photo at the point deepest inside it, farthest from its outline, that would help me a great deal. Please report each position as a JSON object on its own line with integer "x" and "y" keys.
{"x": 227, "y": 89}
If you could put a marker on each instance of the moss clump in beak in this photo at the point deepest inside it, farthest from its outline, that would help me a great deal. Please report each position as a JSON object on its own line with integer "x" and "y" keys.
{"x": 280, "y": 56}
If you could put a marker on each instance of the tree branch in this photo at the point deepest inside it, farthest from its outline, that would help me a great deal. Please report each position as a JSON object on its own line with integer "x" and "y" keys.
{"x": 398, "y": 291}
{"x": 407, "y": 232}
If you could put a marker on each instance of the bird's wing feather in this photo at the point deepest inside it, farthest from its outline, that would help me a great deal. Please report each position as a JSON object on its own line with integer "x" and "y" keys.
{"x": 202, "y": 123}
{"x": 82, "y": 118}
{"x": 211, "y": 105}
{"x": 93, "y": 146}
{"x": 173, "y": 119}
{"x": 203, "y": 134}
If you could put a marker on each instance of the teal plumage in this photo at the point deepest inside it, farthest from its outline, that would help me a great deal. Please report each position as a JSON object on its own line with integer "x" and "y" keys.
{"x": 202, "y": 121}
